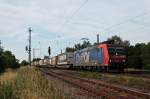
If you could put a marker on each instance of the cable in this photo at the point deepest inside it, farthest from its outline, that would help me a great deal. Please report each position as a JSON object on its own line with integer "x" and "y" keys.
{"x": 67, "y": 20}
{"x": 83, "y": 4}
{"x": 118, "y": 24}
{"x": 128, "y": 20}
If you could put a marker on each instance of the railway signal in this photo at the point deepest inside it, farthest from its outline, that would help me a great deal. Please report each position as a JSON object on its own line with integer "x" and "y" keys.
{"x": 49, "y": 50}
{"x": 26, "y": 48}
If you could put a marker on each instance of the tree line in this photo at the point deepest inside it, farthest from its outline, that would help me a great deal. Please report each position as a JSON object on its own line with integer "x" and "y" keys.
{"x": 7, "y": 60}
{"x": 138, "y": 55}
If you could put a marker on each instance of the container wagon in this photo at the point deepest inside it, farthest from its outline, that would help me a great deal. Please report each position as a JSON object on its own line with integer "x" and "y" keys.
{"x": 65, "y": 59}
{"x": 41, "y": 62}
{"x": 54, "y": 61}
{"x": 46, "y": 61}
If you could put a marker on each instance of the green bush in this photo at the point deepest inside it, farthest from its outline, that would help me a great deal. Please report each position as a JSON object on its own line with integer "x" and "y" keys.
{"x": 147, "y": 67}
{"x": 8, "y": 60}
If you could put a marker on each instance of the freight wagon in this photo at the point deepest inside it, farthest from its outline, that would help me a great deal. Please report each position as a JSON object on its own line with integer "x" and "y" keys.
{"x": 46, "y": 61}
{"x": 41, "y": 62}
{"x": 50, "y": 61}
{"x": 65, "y": 59}
{"x": 36, "y": 63}
{"x": 54, "y": 60}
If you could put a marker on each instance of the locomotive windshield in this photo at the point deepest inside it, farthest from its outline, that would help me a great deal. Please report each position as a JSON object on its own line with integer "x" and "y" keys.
{"x": 116, "y": 51}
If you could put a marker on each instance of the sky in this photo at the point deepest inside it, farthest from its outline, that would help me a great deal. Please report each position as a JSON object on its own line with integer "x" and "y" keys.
{"x": 62, "y": 23}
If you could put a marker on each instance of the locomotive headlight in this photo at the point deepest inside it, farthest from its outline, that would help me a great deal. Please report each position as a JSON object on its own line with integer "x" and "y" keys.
{"x": 110, "y": 61}
{"x": 123, "y": 60}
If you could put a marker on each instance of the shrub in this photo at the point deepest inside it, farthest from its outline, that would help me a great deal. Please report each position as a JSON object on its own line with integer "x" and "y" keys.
{"x": 147, "y": 67}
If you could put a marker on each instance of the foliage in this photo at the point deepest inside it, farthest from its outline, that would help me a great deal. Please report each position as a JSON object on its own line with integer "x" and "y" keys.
{"x": 36, "y": 59}
{"x": 79, "y": 46}
{"x": 24, "y": 63}
{"x": 8, "y": 60}
{"x": 118, "y": 40}
{"x": 68, "y": 49}
{"x": 139, "y": 56}
{"x": 46, "y": 57}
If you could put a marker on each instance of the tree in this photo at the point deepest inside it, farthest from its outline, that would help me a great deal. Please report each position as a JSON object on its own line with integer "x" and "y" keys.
{"x": 69, "y": 49}
{"x": 8, "y": 60}
{"x": 85, "y": 44}
{"x": 24, "y": 63}
{"x": 2, "y": 68}
{"x": 78, "y": 46}
{"x": 118, "y": 40}
{"x": 36, "y": 59}
{"x": 139, "y": 56}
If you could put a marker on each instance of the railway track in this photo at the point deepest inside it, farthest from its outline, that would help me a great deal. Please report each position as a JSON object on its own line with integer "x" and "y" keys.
{"x": 142, "y": 75}
{"x": 84, "y": 83}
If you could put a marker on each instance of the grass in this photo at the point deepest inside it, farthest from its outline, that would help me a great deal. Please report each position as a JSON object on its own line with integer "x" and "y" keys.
{"x": 134, "y": 82}
{"x": 27, "y": 83}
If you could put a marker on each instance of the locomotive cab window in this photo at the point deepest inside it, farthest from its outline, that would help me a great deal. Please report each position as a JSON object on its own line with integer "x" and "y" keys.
{"x": 116, "y": 50}
{"x": 112, "y": 50}
{"x": 120, "y": 51}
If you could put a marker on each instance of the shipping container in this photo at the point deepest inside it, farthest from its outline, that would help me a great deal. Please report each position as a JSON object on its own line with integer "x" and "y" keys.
{"x": 41, "y": 62}
{"x": 92, "y": 56}
{"x": 54, "y": 61}
{"x": 46, "y": 61}
{"x": 65, "y": 58}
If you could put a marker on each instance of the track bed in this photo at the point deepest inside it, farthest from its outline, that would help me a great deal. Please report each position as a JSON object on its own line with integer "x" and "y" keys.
{"x": 96, "y": 88}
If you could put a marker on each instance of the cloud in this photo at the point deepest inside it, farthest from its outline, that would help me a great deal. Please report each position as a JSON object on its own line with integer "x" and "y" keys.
{"x": 56, "y": 21}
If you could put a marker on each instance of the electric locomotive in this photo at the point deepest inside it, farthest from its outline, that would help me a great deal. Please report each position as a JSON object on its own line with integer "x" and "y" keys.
{"x": 102, "y": 57}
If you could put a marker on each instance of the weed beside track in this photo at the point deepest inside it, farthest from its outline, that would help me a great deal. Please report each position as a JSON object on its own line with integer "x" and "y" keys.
{"x": 27, "y": 83}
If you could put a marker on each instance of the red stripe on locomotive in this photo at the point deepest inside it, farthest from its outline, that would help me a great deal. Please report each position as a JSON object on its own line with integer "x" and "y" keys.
{"x": 106, "y": 55}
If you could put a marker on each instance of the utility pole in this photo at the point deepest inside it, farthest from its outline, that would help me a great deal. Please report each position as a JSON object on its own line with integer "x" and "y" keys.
{"x": 1, "y": 46}
{"x": 30, "y": 30}
{"x": 40, "y": 49}
{"x": 97, "y": 38}
{"x": 33, "y": 53}
{"x": 61, "y": 51}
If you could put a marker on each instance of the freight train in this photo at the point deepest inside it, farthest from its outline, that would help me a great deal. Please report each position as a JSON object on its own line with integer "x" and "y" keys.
{"x": 102, "y": 57}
